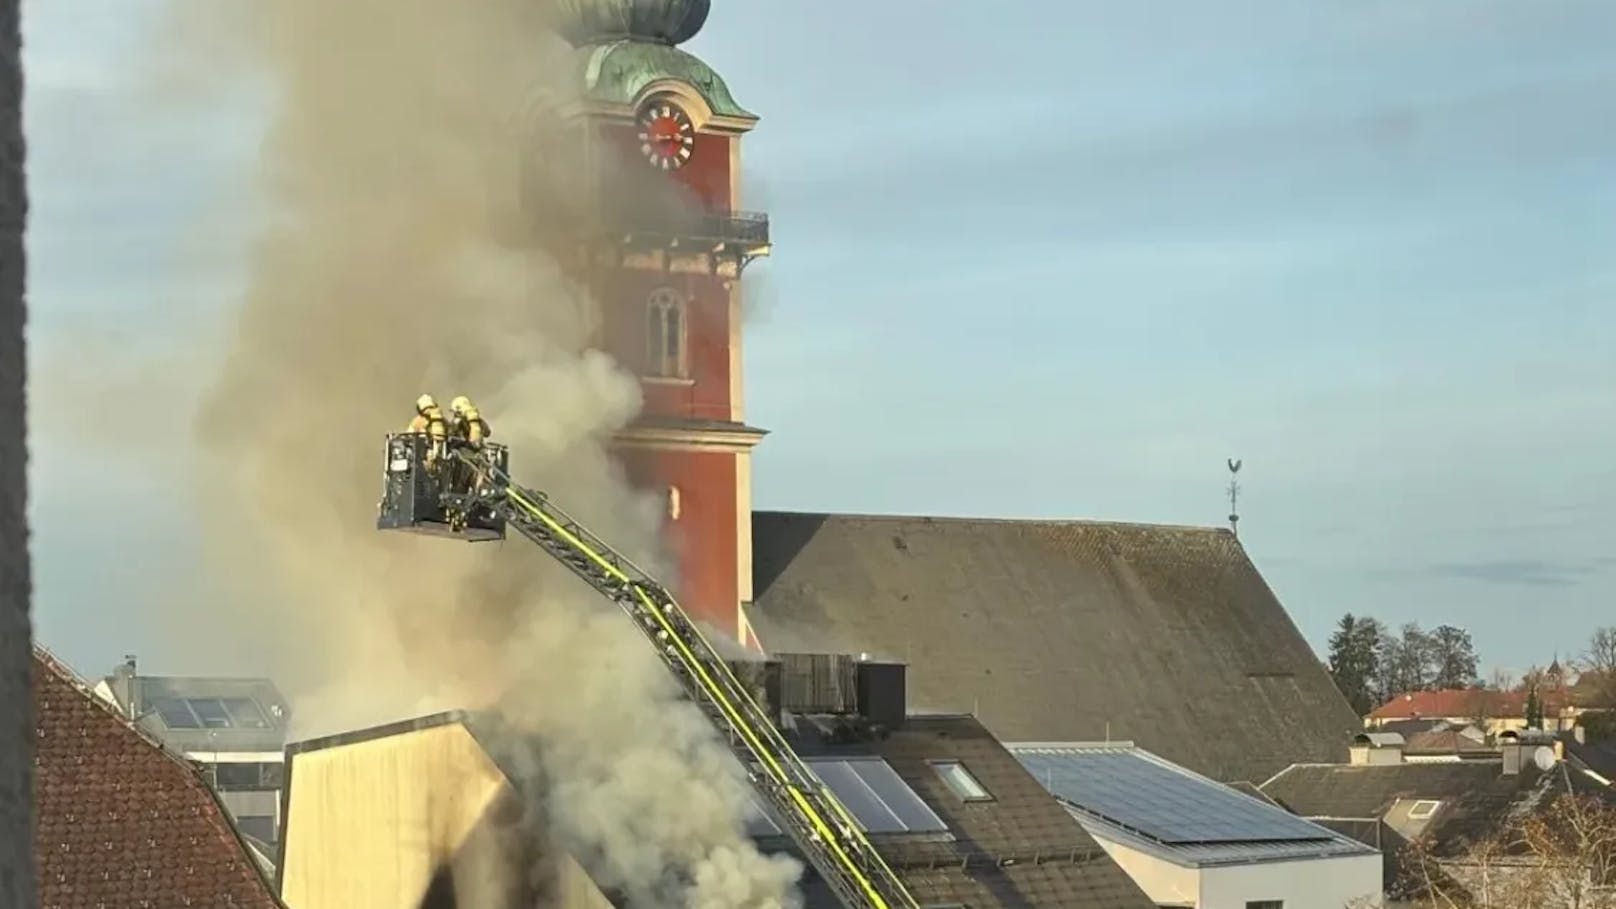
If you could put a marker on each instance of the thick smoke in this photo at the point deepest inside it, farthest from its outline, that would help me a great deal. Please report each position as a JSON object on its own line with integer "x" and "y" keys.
{"x": 417, "y": 201}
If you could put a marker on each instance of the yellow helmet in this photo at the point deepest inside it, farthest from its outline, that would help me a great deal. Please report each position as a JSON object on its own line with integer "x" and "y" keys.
{"x": 460, "y": 404}
{"x": 424, "y": 402}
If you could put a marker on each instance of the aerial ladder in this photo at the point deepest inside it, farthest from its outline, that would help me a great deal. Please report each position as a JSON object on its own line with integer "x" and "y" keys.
{"x": 466, "y": 492}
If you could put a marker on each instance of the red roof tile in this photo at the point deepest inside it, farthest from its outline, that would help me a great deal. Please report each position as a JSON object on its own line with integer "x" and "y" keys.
{"x": 1463, "y": 702}
{"x": 121, "y": 822}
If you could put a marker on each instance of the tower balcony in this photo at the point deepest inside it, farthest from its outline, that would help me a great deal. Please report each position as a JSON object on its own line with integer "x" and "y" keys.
{"x": 687, "y": 241}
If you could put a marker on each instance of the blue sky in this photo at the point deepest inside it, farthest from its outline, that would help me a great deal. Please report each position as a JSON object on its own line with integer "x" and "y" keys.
{"x": 1053, "y": 260}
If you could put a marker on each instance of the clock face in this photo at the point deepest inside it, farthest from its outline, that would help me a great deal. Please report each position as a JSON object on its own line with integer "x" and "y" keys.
{"x": 666, "y": 135}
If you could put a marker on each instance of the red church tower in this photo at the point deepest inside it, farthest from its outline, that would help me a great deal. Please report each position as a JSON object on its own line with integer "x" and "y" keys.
{"x": 666, "y": 135}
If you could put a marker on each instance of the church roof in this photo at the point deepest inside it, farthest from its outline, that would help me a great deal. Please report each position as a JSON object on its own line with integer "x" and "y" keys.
{"x": 616, "y": 72}
{"x": 1061, "y": 631}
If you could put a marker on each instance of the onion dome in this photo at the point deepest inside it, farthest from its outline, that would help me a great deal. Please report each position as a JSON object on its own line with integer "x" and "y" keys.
{"x": 585, "y": 22}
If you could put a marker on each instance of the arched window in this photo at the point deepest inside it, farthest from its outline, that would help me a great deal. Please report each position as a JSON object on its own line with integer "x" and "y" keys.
{"x": 665, "y": 334}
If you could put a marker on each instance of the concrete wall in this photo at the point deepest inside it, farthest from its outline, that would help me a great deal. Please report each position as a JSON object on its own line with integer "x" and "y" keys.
{"x": 16, "y": 661}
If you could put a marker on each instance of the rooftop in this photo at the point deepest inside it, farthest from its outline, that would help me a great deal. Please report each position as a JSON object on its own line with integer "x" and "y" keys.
{"x": 1454, "y": 804}
{"x": 1120, "y": 619}
{"x": 1127, "y": 794}
{"x": 959, "y": 819}
{"x": 120, "y": 821}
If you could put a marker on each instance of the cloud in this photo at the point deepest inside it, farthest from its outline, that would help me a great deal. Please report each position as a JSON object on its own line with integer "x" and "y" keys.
{"x": 1519, "y": 572}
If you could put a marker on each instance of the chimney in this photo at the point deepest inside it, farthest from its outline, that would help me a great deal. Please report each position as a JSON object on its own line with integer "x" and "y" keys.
{"x": 882, "y": 692}
{"x": 1376, "y": 749}
{"x": 124, "y": 688}
{"x": 1510, "y": 747}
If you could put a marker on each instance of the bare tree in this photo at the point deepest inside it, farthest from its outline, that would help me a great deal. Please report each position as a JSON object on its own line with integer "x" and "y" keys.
{"x": 1563, "y": 857}
{"x": 1599, "y": 663}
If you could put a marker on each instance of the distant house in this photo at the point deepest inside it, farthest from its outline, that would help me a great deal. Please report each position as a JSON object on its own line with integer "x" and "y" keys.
{"x": 427, "y": 812}
{"x": 1061, "y": 631}
{"x": 234, "y": 729}
{"x": 1491, "y": 710}
{"x": 1190, "y": 841}
{"x": 1448, "y": 807}
{"x": 119, "y": 820}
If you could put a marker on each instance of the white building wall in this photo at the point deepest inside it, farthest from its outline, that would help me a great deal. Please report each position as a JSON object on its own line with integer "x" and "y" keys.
{"x": 1165, "y": 883}
{"x": 1351, "y": 882}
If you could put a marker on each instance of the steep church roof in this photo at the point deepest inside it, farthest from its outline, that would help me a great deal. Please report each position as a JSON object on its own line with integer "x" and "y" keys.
{"x": 1061, "y": 631}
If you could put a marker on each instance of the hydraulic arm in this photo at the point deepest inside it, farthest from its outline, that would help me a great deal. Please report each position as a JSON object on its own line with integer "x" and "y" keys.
{"x": 815, "y": 818}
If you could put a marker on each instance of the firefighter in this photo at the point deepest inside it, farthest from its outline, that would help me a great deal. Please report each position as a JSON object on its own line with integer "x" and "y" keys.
{"x": 466, "y": 423}
{"x": 429, "y": 419}
{"x": 467, "y": 427}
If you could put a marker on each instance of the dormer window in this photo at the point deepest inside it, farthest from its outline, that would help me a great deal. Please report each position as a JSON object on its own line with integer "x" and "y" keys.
{"x": 665, "y": 334}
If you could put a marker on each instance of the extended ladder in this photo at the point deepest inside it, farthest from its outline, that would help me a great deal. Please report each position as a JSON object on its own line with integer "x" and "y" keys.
{"x": 813, "y": 816}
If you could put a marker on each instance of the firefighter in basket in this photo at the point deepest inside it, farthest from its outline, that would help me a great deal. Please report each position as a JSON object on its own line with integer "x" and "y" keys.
{"x": 467, "y": 427}
{"x": 429, "y": 420}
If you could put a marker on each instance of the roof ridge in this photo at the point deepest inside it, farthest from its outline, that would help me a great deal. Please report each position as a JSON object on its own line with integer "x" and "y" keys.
{"x": 969, "y": 519}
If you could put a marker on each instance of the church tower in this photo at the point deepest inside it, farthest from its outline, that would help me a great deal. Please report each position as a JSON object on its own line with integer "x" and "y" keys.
{"x": 665, "y": 135}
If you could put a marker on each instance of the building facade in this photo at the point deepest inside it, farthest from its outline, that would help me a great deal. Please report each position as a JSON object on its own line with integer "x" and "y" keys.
{"x": 664, "y": 139}
{"x": 232, "y": 730}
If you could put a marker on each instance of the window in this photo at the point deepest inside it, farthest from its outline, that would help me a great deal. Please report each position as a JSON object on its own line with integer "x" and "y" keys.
{"x": 961, "y": 781}
{"x": 665, "y": 334}
{"x": 259, "y": 827}
{"x": 211, "y": 712}
{"x": 175, "y": 713}
{"x": 245, "y": 713}
{"x": 236, "y": 775}
{"x": 1265, "y": 904}
{"x": 1422, "y": 810}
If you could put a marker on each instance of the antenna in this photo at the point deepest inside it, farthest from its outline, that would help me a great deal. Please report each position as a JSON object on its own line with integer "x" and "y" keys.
{"x": 1234, "y": 496}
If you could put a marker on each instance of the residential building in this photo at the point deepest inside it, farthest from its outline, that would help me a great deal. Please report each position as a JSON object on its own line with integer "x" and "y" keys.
{"x": 1193, "y": 842}
{"x": 1448, "y": 808}
{"x": 232, "y": 729}
{"x": 122, "y": 821}
{"x": 1062, "y": 631}
{"x": 1490, "y": 710}
{"x": 418, "y": 805}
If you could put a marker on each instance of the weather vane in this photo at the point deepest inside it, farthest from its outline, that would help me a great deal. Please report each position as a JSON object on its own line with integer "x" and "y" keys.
{"x": 1234, "y": 496}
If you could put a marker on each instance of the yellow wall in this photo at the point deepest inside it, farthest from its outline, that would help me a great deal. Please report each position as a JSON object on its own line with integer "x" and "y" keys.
{"x": 369, "y": 824}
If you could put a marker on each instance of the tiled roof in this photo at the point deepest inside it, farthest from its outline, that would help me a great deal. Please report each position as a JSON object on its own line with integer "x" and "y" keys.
{"x": 121, "y": 822}
{"x": 1475, "y": 796}
{"x": 1061, "y": 631}
{"x": 1464, "y": 702}
{"x": 1019, "y": 849}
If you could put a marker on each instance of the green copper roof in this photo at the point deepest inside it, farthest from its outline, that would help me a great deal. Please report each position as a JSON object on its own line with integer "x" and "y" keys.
{"x": 616, "y": 72}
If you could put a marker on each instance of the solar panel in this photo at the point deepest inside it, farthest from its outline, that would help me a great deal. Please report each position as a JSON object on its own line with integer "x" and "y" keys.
{"x": 879, "y": 800}
{"x": 1158, "y": 801}
{"x": 175, "y": 714}
{"x": 245, "y": 713}
{"x": 211, "y": 712}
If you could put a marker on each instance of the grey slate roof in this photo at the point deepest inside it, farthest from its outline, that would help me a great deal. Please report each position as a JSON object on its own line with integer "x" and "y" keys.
{"x": 1021, "y": 849}
{"x": 1061, "y": 631}
{"x": 1475, "y": 796}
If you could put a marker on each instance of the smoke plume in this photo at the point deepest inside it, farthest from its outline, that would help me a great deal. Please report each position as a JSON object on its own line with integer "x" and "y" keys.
{"x": 416, "y": 201}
